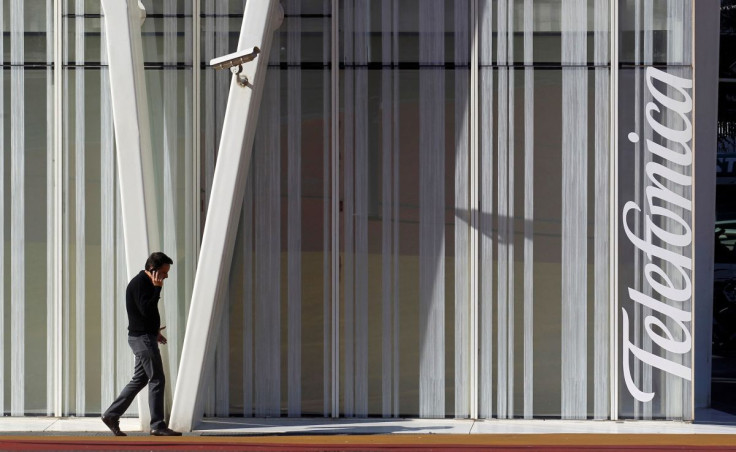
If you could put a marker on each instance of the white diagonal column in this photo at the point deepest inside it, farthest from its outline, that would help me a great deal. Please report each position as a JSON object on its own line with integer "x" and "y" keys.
{"x": 233, "y": 159}
{"x": 123, "y": 20}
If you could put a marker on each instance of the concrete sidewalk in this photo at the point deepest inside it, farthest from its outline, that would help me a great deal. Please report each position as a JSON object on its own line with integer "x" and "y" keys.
{"x": 709, "y": 422}
{"x": 395, "y": 435}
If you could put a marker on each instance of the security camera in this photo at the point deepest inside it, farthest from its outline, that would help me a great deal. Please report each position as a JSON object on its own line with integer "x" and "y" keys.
{"x": 235, "y": 59}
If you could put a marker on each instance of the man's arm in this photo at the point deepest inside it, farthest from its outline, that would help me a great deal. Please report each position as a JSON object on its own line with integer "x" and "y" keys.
{"x": 150, "y": 301}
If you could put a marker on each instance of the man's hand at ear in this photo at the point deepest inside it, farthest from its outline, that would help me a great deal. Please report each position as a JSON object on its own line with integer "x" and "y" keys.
{"x": 157, "y": 277}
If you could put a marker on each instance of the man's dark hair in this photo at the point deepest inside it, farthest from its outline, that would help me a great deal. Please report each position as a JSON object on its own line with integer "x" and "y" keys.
{"x": 157, "y": 260}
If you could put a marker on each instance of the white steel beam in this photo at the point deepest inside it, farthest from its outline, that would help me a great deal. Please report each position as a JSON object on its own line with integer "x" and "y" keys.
{"x": 260, "y": 19}
{"x": 123, "y": 20}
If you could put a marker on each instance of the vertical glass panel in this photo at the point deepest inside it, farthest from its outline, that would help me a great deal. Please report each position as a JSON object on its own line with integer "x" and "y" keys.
{"x": 152, "y": 32}
{"x": 546, "y": 19}
{"x": 25, "y": 184}
{"x": 82, "y": 269}
{"x": 218, "y": 36}
{"x": 543, "y": 242}
{"x": 35, "y": 25}
{"x": 654, "y": 274}
{"x": 155, "y": 7}
{"x": 487, "y": 237}
{"x": 655, "y": 32}
{"x": 540, "y": 225}
{"x": 655, "y": 192}
{"x": 85, "y": 7}
{"x": 25, "y": 249}
{"x": 217, "y": 33}
{"x": 98, "y": 361}
{"x": 272, "y": 357}
{"x": 87, "y": 28}
{"x": 405, "y": 109}
{"x": 164, "y": 39}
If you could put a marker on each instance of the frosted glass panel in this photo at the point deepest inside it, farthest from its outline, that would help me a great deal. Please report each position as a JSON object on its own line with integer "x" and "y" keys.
{"x": 655, "y": 190}
{"x": 24, "y": 286}
{"x": 544, "y": 143}
{"x": 152, "y": 34}
{"x": 655, "y": 31}
{"x": 279, "y": 333}
{"x": 155, "y": 7}
{"x": 655, "y": 193}
{"x": 405, "y": 199}
{"x": 546, "y": 22}
{"x": 97, "y": 360}
{"x": 26, "y": 114}
{"x": 403, "y": 163}
{"x": 37, "y": 29}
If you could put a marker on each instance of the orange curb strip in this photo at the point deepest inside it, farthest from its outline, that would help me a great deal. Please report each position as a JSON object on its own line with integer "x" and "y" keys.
{"x": 550, "y": 442}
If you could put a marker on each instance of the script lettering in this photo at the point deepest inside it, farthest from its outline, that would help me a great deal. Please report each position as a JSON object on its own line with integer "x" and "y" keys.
{"x": 666, "y": 234}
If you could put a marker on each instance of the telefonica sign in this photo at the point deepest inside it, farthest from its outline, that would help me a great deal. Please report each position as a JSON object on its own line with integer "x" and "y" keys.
{"x": 666, "y": 234}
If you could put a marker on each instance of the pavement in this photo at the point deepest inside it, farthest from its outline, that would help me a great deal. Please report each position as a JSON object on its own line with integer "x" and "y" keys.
{"x": 715, "y": 431}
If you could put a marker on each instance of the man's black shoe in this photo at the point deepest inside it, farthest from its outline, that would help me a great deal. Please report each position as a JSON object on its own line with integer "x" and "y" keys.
{"x": 113, "y": 425}
{"x": 166, "y": 431}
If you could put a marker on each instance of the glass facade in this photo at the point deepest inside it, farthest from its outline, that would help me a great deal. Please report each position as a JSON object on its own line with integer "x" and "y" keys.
{"x": 97, "y": 360}
{"x": 25, "y": 130}
{"x": 476, "y": 262}
{"x": 655, "y": 191}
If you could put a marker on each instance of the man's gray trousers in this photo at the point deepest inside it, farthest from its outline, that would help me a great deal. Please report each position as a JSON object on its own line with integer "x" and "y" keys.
{"x": 149, "y": 370}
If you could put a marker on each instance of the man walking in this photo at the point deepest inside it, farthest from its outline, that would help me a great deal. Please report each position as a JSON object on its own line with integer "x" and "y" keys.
{"x": 144, "y": 335}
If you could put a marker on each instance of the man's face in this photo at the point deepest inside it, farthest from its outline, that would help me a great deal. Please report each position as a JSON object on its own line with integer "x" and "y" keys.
{"x": 163, "y": 271}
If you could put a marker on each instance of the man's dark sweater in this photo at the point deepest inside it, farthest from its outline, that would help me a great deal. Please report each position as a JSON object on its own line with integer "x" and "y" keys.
{"x": 141, "y": 302}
